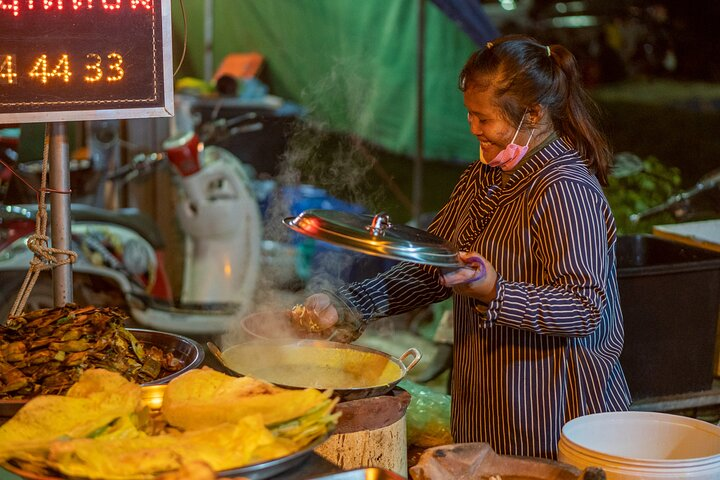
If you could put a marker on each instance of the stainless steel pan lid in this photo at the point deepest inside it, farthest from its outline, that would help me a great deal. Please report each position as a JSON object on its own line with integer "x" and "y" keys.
{"x": 374, "y": 235}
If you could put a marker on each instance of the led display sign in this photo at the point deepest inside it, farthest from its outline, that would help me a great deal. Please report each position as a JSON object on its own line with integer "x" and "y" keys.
{"x": 84, "y": 60}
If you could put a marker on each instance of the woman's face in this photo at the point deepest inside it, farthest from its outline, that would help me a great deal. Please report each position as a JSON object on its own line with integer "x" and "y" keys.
{"x": 487, "y": 122}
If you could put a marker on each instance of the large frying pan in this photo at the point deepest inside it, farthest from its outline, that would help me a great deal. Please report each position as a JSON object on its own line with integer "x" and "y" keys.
{"x": 352, "y": 371}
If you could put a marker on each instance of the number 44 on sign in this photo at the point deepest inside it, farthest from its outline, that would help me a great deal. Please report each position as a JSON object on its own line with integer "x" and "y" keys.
{"x": 96, "y": 68}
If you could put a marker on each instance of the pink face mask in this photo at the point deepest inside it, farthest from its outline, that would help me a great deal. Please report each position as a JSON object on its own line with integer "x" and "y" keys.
{"x": 509, "y": 157}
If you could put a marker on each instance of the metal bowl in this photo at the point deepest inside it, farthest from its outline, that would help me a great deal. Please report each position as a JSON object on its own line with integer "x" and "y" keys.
{"x": 187, "y": 350}
{"x": 273, "y": 325}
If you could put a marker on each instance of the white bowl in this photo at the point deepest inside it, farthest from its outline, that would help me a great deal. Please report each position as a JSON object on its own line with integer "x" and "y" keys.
{"x": 642, "y": 446}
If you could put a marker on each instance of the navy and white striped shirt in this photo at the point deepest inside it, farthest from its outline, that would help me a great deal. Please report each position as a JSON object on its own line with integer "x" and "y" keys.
{"x": 547, "y": 348}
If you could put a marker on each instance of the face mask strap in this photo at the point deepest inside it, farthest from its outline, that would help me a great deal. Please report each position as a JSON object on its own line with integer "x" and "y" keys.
{"x": 517, "y": 132}
{"x": 530, "y": 137}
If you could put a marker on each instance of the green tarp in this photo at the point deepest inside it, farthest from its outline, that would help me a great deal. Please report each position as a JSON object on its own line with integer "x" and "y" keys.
{"x": 351, "y": 63}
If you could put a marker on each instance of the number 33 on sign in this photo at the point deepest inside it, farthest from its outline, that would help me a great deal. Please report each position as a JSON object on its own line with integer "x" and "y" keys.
{"x": 94, "y": 68}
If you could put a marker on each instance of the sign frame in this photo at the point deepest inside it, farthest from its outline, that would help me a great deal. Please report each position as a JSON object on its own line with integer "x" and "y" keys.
{"x": 166, "y": 94}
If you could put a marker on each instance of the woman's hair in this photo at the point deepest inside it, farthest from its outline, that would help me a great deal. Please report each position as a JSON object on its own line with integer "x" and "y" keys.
{"x": 524, "y": 73}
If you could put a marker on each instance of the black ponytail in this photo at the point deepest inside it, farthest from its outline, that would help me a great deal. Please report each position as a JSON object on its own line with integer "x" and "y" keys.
{"x": 523, "y": 73}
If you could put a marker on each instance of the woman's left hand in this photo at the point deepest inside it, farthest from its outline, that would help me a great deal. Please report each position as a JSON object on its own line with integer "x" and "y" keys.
{"x": 476, "y": 279}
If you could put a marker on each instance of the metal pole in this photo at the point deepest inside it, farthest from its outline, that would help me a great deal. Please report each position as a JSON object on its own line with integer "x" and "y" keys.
{"x": 208, "y": 28}
{"x": 60, "y": 211}
{"x": 419, "y": 152}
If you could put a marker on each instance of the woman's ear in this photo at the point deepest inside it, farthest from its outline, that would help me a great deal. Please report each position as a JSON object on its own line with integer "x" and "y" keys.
{"x": 535, "y": 115}
{"x": 538, "y": 117}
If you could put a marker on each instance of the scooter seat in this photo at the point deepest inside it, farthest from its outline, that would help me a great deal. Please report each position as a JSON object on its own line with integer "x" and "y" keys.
{"x": 131, "y": 218}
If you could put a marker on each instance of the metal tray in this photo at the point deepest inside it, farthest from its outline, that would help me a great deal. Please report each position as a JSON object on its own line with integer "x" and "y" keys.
{"x": 256, "y": 471}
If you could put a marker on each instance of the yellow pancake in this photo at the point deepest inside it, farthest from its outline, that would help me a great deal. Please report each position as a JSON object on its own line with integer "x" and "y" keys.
{"x": 205, "y": 397}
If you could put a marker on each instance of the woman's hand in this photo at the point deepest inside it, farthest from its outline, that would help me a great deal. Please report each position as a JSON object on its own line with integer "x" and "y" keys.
{"x": 476, "y": 279}
{"x": 316, "y": 314}
{"x": 325, "y": 316}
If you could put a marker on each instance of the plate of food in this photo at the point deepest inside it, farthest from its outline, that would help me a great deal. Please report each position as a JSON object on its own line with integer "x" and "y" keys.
{"x": 45, "y": 351}
{"x": 104, "y": 428}
{"x": 193, "y": 469}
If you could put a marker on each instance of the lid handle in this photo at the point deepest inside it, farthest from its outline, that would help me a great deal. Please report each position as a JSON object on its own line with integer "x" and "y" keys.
{"x": 380, "y": 223}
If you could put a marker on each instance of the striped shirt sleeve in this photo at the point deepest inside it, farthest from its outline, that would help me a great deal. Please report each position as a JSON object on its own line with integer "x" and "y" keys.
{"x": 571, "y": 245}
{"x": 408, "y": 286}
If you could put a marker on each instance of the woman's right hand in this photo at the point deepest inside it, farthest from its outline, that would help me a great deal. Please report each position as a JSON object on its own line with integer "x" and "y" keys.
{"x": 317, "y": 313}
{"x": 327, "y": 317}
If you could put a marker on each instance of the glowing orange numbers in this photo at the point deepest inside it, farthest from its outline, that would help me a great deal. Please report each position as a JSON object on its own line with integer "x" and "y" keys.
{"x": 61, "y": 70}
{"x": 97, "y": 69}
{"x": 115, "y": 66}
{"x": 94, "y": 68}
{"x": 45, "y": 69}
{"x": 7, "y": 70}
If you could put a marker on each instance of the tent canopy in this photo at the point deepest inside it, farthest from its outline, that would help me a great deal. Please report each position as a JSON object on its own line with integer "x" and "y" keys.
{"x": 353, "y": 65}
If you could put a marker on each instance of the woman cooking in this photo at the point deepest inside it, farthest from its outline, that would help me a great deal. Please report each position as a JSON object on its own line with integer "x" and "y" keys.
{"x": 537, "y": 322}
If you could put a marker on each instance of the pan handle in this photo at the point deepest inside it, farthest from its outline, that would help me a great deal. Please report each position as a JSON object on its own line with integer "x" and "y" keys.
{"x": 217, "y": 353}
{"x": 416, "y": 358}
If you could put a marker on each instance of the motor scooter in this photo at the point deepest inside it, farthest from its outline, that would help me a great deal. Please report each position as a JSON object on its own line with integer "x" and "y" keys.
{"x": 121, "y": 252}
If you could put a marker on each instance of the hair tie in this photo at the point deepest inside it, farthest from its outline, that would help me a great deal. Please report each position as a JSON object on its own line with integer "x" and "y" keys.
{"x": 489, "y": 45}
{"x": 548, "y": 49}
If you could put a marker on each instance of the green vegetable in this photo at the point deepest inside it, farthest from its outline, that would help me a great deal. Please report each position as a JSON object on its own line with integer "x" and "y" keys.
{"x": 651, "y": 185}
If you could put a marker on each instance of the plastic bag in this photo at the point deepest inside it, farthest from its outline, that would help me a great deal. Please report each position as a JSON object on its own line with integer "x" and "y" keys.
{"x": 427, "y": 416}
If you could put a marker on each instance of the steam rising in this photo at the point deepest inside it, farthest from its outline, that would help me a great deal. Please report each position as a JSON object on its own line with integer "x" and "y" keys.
{"x": 319, "y": 157}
